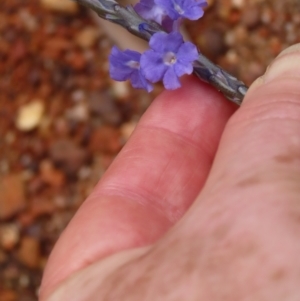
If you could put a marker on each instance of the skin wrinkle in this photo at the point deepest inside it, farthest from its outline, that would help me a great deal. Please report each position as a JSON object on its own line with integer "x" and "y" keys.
{"x": 136, "y": 201}
{"x": 123, "y": 191}
{"x": 136, "y": 239}
{"x": 188, "y": 180}
{"x": 134, "y": 157}
{"x": 284, "y": 102}
{"x": 131, "y": 196}
{"x": 249, "y": 181}
{"x": 199, "y": 147}
{"x": 253, "y": 115}
{"x": 282, "y": 97}
{"x": 283, "y": 66}
{"x": 146, "y": 199}
{"x": 176, "y": 212}
{"x": 144, "y": 196}
{"x": 269, "y": 90}
{"x": 142, "y": 282}
{"x": 123, "y": 280}
{"x": 164, "y": 170}
{"x": 143, "y": 200}
{"x": 117, "y": 263}
{"x": 259, "y": 84}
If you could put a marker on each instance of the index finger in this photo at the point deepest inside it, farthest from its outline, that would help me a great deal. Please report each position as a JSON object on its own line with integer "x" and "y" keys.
{"x": 151, "y": 183}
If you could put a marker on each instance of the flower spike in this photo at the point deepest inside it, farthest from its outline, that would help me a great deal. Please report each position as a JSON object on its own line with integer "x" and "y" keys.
{"x": 232, "y": 88}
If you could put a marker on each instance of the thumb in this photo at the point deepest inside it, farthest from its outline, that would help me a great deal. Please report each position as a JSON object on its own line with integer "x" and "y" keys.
{"x": 261, "y": 142}
{"x": 246, "y": 219}
{"x": 256, "y": 173}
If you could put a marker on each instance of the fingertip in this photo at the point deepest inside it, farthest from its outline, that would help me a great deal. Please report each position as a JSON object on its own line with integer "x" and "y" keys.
{"x": 286, "y": 66}
{"x": 265, "y": 127}
{"x": 190, "y": 107}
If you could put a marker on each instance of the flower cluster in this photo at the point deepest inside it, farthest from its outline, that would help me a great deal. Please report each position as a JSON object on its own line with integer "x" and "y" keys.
{"x": 169, "y": 57}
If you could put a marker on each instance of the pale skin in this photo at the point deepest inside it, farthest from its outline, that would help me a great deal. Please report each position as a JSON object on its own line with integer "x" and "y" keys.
{"x": 203, "y": 202}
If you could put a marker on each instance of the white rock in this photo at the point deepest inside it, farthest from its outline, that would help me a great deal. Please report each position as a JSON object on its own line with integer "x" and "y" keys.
{"x": 9, "y": 236}
{"x": 120, "y": 89}
{"x": 64, "y": 6}
{"x": 79, "y": 112}
{"x": 87, "y": 37}
{"x": 30, "y": 115}
{"x": 238, "y": 3}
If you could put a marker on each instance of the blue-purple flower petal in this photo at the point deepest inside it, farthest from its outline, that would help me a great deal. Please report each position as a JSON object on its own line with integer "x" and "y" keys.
{"x": 171, "y": 25}
{"x": 190, "y": 49}
{"x": 138, "y": 81}
{"x": 163, "y": 42}
{"x": 125, "y": 65}
{"x": 152, "y": 66}
{"x": 150, "y": 11}
{"x": 190, "y": 9}
{"x": 170, "y": 80}
{"x": 181, "y": 68}
{"x": 169, "y": 58}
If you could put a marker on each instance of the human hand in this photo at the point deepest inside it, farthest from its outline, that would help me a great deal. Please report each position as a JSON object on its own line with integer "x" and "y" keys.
{"x": 196, "y": 206}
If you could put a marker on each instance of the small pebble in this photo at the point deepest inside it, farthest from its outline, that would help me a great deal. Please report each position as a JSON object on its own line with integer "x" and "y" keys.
{"x": 238, "y": 3}
{"x": 29, "y": 252}
{"x": 9, "y": 236}
{"x": 8, "y": 295}
{"x": 251, "y": 17}
{"x": 104, "y": 106}
{"x": 79, "y": 112}
{"x": 105, "y": 139}
{"x": 62, "y": 6}
{"x": 120, "y": 89}
{"x": 29, "y": 20}
{"x": 50, "y": 175}
{"x": 68, "y": 155}
{"x": 87, "y": 37}
{"x": 12, "y": 196}
{"x": 30, "y": 115}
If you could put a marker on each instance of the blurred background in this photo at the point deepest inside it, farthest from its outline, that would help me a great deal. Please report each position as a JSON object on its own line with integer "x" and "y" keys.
{"x": 63, "y": 120}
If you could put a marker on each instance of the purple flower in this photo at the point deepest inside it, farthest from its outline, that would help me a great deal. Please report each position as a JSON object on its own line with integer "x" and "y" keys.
{"x": 169, "y": 58}
{"x": 190, "y": 9}
{"x": 150, "y": 11}
{"x": 126, "y": 65}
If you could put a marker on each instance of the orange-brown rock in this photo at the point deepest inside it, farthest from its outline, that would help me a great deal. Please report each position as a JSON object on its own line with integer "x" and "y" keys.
{"x": 12, "y": 195}
{"x": 29, "y": 252}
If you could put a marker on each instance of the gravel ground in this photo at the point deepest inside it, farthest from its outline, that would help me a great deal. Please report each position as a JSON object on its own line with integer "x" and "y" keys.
{"x": 62, "y": 120}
